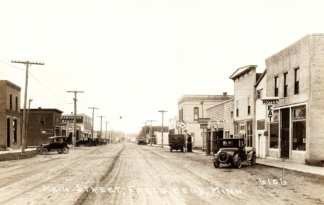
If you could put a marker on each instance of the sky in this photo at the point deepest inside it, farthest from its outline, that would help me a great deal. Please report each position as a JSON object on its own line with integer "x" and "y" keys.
{"x": 133, "y": 58}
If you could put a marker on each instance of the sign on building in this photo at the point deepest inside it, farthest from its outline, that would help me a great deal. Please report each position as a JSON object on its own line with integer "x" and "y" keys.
{"x": 79, "y": 119}
{"x": 203, "y": 120}
{"x": 182, "y": 125}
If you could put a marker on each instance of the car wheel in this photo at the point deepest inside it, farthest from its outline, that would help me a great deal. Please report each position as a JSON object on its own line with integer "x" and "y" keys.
{"x": 216, "y": 164}
{"x": 65, "y": 150}
{"x": 60, "y": 151}
{"x": 239, "y": 162}
{"x": 181, "y": 149}
{"x": 223, "y": 157}
{"x": 253, "y": 160}
{"x": 44, "y": 151}
{"x": 170, "y": 150}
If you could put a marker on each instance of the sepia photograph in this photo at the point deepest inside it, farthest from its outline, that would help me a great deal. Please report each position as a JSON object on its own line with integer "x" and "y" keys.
{"x": 161, "y": 102}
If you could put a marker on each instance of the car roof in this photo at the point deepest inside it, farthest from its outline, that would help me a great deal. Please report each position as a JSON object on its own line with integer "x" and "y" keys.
{"x": 57, "y": 137}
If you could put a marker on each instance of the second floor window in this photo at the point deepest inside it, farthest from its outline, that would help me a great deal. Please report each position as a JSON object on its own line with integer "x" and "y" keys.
{"x": 10, "y": 101}
{"x": 196, "y": 113}
{"x": 249, "y": 106}
{"x": 296, "y": 81}
{"x": 42, "y": 120}
{"x": 276, "y": 87}
{"x": 285, "y": 85}
{"x": 237, "y": 109}
{"x": 16, "y": 103}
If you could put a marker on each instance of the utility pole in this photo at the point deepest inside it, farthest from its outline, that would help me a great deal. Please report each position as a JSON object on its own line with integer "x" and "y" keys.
{"x": 93, "y": 108}
{"x": 75, "y": 110}
{"x": 151, "y": 130}
{"x": 100, "y": 128}
{"x": 162, "y": 111}
{"x": 23, "y": 140}
{"x": 27, "y": 123}
{"x": 106, "y": 130}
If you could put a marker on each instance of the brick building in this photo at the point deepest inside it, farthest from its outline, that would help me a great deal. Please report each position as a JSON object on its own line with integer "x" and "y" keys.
{"x": 41, "y": 124}
{"x": 261, "y": 118}
{"x": 221, "y": 112}
{"x": 83, "y": 121}
{"x": 10, "y": 116}
{"x": 295, "y": 75}
{"x": 193, "y": 107}
{"x": 244, "y": 80}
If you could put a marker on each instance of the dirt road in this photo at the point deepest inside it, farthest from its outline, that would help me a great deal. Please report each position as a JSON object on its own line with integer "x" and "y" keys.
{"x": 133, "y": 174}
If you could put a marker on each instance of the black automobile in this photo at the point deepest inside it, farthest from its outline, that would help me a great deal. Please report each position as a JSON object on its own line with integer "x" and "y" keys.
{"x": 232, "y": 151}
{"x": 141, "y": 142}
{"x": 55, "y": 143}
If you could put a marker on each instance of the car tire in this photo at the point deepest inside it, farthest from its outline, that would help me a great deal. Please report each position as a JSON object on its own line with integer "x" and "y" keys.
{"x": 60, "y": 151}
{"x": 239, "y": 162}
{"x": 65, "y": 150}
{"x": 181, "y": 149}
{"x": 216, "y": 164}
{"x": 44, "y": 151}
{"x": 170, "y": 150}
{"x": 253, "y": 159}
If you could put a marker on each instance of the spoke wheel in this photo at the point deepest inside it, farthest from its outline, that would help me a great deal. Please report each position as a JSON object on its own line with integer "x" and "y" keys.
{"x": 44, "y": 151}
{"x": 239, "y": 163}
{"x": 65, "y": 150}
{"x": 253, "y": 160}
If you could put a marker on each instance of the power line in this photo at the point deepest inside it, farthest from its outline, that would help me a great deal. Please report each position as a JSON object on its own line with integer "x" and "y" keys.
{"x": 35, "y": 79}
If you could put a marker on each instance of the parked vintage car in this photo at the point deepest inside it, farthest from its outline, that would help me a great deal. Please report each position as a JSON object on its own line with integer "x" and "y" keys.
{"x": 55, "y": 143}
{"x": 141, "y": 142}
{"x": 177, "y": 142}
{"x": 232, "y": 151}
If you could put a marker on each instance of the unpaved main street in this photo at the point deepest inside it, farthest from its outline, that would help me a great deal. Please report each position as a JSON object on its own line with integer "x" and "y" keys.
{"x": 132, "y": 174}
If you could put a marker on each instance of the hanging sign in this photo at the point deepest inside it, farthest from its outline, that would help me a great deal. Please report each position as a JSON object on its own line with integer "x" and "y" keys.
{"x": 270, "y": 112}
{"x": 182, "y": 125}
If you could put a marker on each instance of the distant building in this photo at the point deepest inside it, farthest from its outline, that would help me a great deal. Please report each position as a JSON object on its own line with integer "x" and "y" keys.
{"x": 83, "y": 121}
{"x": 295, "y": 76}
{"x": 244, "y": 80}
{"x": 221, "y": 112}
{"x": 193, "y": 107}
{"x": 10, "y": 116}
{"x": 261, "y": 119}
{"x": 41, "y": 124}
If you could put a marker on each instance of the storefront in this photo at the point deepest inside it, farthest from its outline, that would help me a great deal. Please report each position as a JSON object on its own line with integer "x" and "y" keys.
{"x": 287, "y": 138}
{"x": 244, "y": 129}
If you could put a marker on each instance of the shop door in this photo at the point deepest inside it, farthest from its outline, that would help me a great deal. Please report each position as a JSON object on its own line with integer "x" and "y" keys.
{"x": 285, "y": 116}
{"x": 219, "y": 136}
{"x": 8, "y": 132}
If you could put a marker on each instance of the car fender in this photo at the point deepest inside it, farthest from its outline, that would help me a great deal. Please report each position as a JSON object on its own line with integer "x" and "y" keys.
{"x": 235, "y": 157}
{"x": 249, "y": 155}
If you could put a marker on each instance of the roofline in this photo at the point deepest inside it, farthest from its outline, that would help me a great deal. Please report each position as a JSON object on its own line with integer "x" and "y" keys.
{"x": 12, "y": 84}
{"x": 202, "y": 95}
{"x": 261, "y": 77}
{"x": 45, "y": 109}
{"x": 248, "y": 66}
{"x": 221, "y": 103}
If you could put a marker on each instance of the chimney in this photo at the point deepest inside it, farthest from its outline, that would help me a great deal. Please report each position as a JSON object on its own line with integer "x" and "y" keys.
{"x": 39, "y": 107}
{"x": 224, "y": 93}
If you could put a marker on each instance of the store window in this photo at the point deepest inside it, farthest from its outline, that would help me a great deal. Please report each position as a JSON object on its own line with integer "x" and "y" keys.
{"x": 15, "y": 129}
{"x": 236, "y": 130}
{"x": 285, "y": 85}
{"x": 274, "y": 135}
{"x": 276, "y": 116}
{"x": 227, "y": 134}
{"x": 276, "y": 87}
{"x": 196, "y": 113}
{"x": 296, "y": 81}
{"x": 299, "y": 128}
